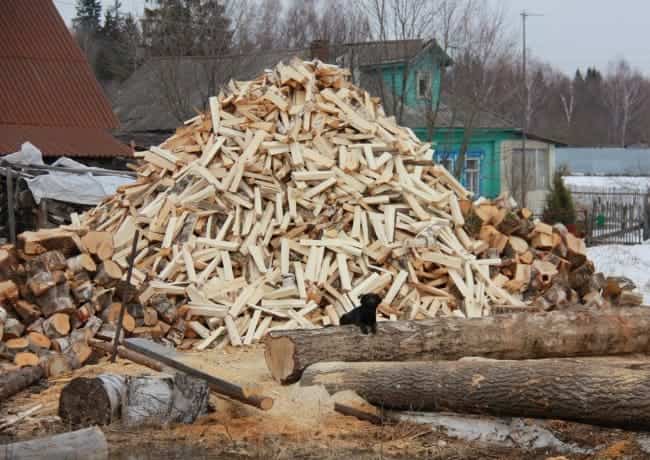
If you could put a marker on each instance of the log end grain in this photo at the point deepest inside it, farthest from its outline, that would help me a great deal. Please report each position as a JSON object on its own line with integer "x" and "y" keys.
{"x": 84, "y": 402}
{"x": 279, "y": 355}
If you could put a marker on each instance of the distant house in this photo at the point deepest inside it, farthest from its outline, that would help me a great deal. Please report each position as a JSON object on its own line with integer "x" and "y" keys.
{"x": 48, "y": 94}
{"x": 165, "y": 91}
{"x": 604, "y": 161}
{"x": 407, "y": 75}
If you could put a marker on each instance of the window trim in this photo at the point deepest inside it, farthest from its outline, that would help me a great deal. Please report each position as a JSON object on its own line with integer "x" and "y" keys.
{"x": 423, "y": 75}
{"x": 476, "y": 170}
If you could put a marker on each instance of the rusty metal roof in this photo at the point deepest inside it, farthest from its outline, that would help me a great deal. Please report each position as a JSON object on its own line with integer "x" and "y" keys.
{"x": 56, "y": 141}
{"x": 46, "y": 82}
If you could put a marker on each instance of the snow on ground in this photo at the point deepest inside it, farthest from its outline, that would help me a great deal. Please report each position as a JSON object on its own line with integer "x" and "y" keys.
{"x": 607, "y": 184}
{"x": 633, "y": 262}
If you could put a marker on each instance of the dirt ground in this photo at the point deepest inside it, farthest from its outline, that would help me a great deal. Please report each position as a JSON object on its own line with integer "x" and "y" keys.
{"x": 301, "y": 425}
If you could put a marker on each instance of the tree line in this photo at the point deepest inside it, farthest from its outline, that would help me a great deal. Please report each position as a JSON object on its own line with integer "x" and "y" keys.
{"x": 592, "y": 107}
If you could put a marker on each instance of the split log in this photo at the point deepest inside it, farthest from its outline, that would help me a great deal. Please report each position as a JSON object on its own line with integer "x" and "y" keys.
{"x": 630, "y": 298}
{"x": 14, "y": 381}
{"x": 47, "y": 262}
{"x": 81, "y": 262}
{"x": 548, "y": 388}
{"x": 517, "y": 336}
{"x": 17, "y": 345}
{"x": 38, "y": 341}
{"x": 134, "y": 400}
{"x": 57, "y": 325}
{"x": 34, "y": 243}
{"x": 27, "y": 311}
{"x": 13, "y": 329}
{"x": 26, "y": 358}
{"x": 8, "y": 291}
{"x": 108, "y": 273}
{"x": 86, "y": 444}
{"x": 56, "y": 300}
{"x": 99, "y": 244}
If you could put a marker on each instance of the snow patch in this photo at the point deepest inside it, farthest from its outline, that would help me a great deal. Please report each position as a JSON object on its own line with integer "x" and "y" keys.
{"x": 632, "y": 262}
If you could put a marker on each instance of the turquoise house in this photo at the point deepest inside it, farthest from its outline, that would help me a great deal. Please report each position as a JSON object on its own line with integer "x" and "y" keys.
{"x": 407, "y": 76}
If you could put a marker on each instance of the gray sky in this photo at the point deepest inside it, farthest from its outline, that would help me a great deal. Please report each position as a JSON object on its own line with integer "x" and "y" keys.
{"x": 571, "y": 34}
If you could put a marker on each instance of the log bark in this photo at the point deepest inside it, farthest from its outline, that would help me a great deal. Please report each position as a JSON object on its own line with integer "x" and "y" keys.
{"x": 57, "y": 325}
{"x": 81, "y": 262}
{"x": 14, "y": 381}
{"x": 86, "y": 444}
{"x": 125, "y": 353}
{"x": 108, "y": 273}
{"x": 134, "y": 400}
{"x": 516, "y": 336}
{"x": 8, "y": 291}
{"x": 27, "y": 311}
{"x": 34, "y": 243}
{"x": 548, "y": 388}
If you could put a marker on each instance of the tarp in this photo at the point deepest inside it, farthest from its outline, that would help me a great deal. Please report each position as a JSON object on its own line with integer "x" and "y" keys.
{"x": 85, "y": 189}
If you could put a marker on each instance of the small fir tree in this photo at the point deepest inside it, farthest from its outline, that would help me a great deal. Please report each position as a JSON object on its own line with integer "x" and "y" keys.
{"x": 559, "y": 203}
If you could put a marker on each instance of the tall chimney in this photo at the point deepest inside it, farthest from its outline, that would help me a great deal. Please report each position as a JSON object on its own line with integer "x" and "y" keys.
{"x": 319, "y": 49}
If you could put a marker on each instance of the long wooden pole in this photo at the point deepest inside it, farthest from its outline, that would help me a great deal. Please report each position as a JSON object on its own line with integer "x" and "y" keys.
{"x": 118, "y": 331}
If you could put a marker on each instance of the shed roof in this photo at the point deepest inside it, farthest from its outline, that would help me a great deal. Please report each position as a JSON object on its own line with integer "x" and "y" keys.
{"x": 46, "y": 83}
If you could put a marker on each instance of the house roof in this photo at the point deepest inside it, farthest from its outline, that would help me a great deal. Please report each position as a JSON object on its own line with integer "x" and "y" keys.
{"x": 164, "y": 92}
{"x": 376, "y": 53}
{"x": 46, "y": 84}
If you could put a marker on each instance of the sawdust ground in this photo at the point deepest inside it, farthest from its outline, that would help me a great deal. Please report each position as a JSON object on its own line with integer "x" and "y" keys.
{"x": 301, "y": 425}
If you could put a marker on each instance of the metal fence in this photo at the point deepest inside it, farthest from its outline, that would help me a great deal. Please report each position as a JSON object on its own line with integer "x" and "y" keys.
{"x": 613, "y": 217}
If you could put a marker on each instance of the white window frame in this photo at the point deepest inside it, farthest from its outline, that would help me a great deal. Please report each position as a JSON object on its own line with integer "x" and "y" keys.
{"x": 473, "y": 185}
{"x": 423, "y": 76}
{"x": 540, "y": 179}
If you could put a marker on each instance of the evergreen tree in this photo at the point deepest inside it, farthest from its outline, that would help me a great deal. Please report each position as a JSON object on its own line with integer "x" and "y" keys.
{"x": 559, "y": 203}
{"x": 186, "y": 28}
{"x": 88, "y": 16}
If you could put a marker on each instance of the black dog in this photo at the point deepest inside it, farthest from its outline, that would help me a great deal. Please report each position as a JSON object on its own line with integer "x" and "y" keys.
{"x": 364, "y": 316}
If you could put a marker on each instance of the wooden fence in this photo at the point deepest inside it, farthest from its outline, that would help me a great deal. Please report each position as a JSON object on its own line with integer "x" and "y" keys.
{"x": 614, "y": 217}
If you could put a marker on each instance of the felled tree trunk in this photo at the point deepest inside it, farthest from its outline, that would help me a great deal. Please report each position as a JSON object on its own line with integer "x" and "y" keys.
{"x": 517, "y": 336}
{"x": 148, "y": 399}
{"x": 553, "y": 388}
{"x": 86, "y": 444}
{"x": 14, "y": 381}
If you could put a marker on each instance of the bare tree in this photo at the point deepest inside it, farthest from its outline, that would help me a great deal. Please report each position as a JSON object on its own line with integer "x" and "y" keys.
{"x": 624, "y": 97}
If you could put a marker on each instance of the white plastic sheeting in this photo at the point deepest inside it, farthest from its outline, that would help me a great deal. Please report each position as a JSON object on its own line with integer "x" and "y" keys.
{"x": 77, "y": 188}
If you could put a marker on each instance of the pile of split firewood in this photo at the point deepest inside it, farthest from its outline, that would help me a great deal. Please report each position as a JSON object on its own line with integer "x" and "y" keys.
{"x": 294, "y": 195}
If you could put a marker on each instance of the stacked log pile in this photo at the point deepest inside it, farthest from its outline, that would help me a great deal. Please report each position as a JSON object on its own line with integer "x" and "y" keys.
{"x": 292, "y": 196}
{"x": 544, "y": 265}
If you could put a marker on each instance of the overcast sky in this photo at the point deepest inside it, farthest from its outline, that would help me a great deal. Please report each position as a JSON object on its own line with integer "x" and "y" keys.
{"x": 571, "y": 34}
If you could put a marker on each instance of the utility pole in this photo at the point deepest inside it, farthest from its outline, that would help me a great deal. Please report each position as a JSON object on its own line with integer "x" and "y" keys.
{"x": 524, "y": 120}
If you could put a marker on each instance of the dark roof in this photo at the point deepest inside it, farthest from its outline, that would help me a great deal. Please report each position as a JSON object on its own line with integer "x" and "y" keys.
{"x": 376, "y": 53}
{"x": 46, "y": 83}
{"x": 164, "y": 92}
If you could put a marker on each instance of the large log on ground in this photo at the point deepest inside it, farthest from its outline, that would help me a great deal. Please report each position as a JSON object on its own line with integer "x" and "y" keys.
{"x": 134, "y": 400}
{"x": 516, "y": 336}
{"x": 548, "y": 388}
{"x": 86, "y": 444}
{"x": 14, "y": 381}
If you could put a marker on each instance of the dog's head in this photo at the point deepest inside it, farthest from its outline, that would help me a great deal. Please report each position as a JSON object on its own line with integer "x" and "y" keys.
{"x": 370, "y": 300}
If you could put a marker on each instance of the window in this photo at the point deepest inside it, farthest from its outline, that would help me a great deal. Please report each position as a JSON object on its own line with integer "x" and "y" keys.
{"x": 423, "y": 85}
{"x": 473, "y": 175}
{"x": 536, "y": 169}
{"x": 448, "y": 164}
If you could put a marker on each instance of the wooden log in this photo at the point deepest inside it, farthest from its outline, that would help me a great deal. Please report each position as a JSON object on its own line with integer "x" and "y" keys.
{"x": 108, "y": 273}
{"x": 27, "y": 311}
{"x": 13, "y": 329}
{"x": 81, "y": 262}
{"x": 38, "y": 341}
{"x": 47, "y": 262}
{"x": 34, "y": 243}
{"x": 134, "y": 400}
{"x": 12, "y": 382}
{"x": 57, "y": 325}
{"x": 223, "y": 387}
{"x": 56, "y": 300}
{"x": 26, "y": 358}
{"x": 99, "y": 244}
{"x": 86, "y": 444}
{"x": 516, "y": 336}
{"x": 17, "y": 345}
{"x": 8, "y": 291}
{"x": 549, "y": 388}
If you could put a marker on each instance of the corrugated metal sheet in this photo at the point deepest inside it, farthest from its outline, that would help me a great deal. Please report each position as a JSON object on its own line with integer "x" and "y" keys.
{"x": 63, "y": 141}
{"x": 45, "y": 79}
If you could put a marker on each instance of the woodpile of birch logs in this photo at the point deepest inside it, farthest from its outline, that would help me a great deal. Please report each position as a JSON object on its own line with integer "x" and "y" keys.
{"x": 291, "y": 197}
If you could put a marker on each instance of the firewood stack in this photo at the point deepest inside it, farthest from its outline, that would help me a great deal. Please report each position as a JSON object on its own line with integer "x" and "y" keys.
{"x": 277, "y": 209}
{"x": 544, "y": 265}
